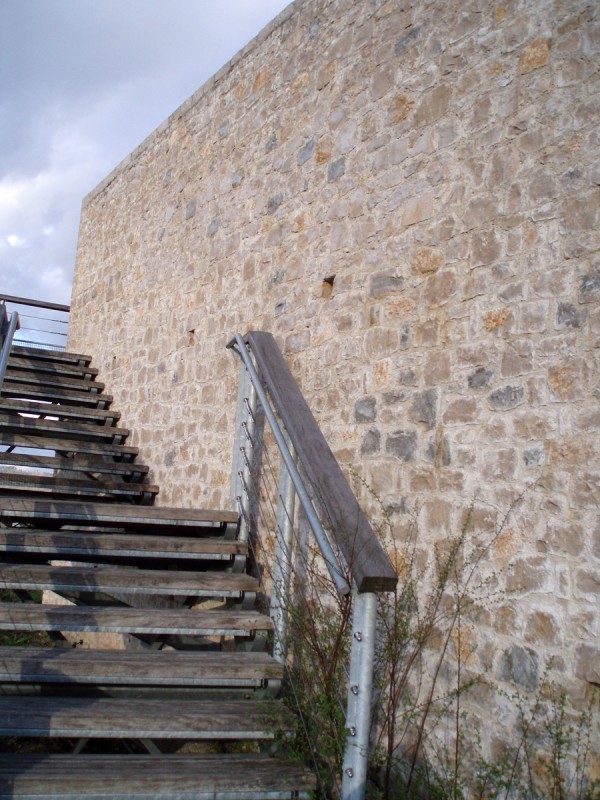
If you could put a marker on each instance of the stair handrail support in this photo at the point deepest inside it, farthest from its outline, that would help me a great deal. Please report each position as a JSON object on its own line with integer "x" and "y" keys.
{"x": 267, "y": 385}
{"x": 51, "y": 337}
{"x": 9, "y": 325}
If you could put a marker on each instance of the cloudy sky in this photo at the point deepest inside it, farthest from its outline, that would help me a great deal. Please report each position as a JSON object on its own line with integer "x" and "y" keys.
{"x": 82, "y": 83}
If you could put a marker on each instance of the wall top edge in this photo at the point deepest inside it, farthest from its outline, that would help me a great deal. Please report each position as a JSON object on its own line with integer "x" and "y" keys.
{"x": 196, "y": 97}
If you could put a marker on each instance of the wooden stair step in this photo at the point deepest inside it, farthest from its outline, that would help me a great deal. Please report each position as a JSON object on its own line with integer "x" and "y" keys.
{"x": 98, "y": 415}
{"x": 78, "y": 544}
{"x": 55, "y": 394}
{"x": 126, "y": 580}
{"x": 142, "y": 719}
{"x": 40, "y": 380}
{"x": 60, "y": 429}
{"x": 155, "y": 621}
{"x": 136, "y": 667}
{"x": 216, "y": 776}
{"x": 43, "y": 354}
{"x": 68, "y": 445}
{"x": 29, "y": 364}
{"x": 62, "y": 485}
{"x": 83, "y": 463}
{"x": 124, "y": 516}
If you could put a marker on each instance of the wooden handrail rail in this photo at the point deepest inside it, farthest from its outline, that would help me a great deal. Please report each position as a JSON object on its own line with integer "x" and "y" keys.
{"x": 36, "y": 303}
{"x": 349, "y": 528}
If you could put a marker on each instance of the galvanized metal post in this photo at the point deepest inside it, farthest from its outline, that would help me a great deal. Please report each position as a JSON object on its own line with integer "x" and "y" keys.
{"x": 360, "y": 686}
{"x": 282, "y": 557}
{"x": 9, "y": 324}
{"x": 246, "y": 454}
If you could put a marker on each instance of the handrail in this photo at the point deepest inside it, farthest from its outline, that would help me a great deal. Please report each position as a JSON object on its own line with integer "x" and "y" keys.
{"x": 37, "y": 303}
{"x": 9, "y": 323}
{"x": 332, "y": 561}
{"x": 44, "y": 330}
{"x": 349, "y": 528}
{"x": 350, "y": 549}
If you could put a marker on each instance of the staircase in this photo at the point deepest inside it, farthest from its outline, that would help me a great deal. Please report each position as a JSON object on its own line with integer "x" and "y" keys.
{"x": 188, "y": 708}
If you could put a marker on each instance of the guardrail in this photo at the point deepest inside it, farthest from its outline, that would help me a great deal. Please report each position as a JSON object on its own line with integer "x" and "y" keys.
{"x": 9, "y": 324}
{"x": 42, "y": 324}
{"x": 308, "y": 473}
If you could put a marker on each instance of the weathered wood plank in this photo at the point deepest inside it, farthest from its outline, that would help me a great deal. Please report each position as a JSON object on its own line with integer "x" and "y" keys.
{"x": 126, "y": 516}
{"x": 126, "y": 580}
{"x": 136, "y": 668}
{"x": 350, "y": 529}
{"x": 140, "y": 719}
{"x": 42, "y": 354}
{"x": 219, "y": 776}
{"x": 29, "y": 364}
{"x": 33, "y": 441}
{"x": 99, "y": 415}
{"x": 62, "y": 485}
{"x": 59, "y": 429}
{"x": 184, "y": 622}
{"x": 60, "y": 382}
{"x": 83, "y": 463}
{"x": 54, "y": 394}
{"x": 69, "y": 544}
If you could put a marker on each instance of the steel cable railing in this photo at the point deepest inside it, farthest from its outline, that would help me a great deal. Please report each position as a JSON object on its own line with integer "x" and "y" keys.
{"x": 42, "y": 325}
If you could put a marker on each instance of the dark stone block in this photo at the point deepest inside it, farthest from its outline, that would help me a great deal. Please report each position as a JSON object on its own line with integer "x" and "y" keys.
{"x": 589, "y": 288}
{"x": 404, "y": 337}
{"x": 190, "y": 209}
{"x": 424, "y": 407}
{"x": 480, "y": 377}
{"x": 213, "y": 227}
{"x": 305, "y": 152}
{"x": 271, "y": 143}
{"x": 534, "y": 456}
{"x": 365, "y": 409}
{"x": 336, "y": 169}
{"x": 410, "y": 37}
{"x": 521, "y": 665}
{"x": 507, "y": 397}
{"x": 274, "y": 203}
{"x": 393, "y": 398}
{"x": 402, "y": 444}
{"x": 371, "y": 442}
{"x": 568, "y": 316}
{"x": 408, "y": 378}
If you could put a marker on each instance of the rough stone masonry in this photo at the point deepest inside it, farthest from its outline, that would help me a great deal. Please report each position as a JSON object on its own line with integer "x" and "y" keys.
{"x": 407, "y": 195}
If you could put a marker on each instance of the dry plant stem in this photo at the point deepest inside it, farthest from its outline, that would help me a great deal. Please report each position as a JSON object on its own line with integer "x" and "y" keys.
{"x": 458, "y": 686}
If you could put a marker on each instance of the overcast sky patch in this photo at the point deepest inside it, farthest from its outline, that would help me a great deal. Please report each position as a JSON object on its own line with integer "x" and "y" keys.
{"x": 82, "y": 83}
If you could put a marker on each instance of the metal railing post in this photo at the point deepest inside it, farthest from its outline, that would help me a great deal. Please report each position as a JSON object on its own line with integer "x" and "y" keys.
{"x": 8, "y": 332}
{"x": 282, "y": 558}
{"x": 246, "y": 454}
{"x": 360, "y": 686}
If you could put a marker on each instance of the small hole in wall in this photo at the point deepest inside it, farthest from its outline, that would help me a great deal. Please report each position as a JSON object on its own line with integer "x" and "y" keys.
{"x": 191, "y": 337}
{"x": 327, "y": 288}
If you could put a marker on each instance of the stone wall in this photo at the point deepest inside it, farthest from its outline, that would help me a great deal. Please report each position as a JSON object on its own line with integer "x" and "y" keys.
{"x": 406, "y": 195}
